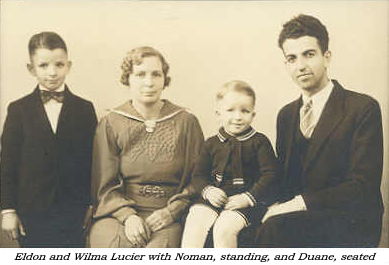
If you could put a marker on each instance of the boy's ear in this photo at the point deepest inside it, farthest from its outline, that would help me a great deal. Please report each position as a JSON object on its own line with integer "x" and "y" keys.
{"x": 254, "y": 114}
{"x": 70, "y": 63}
{"x": 31, "y": 69}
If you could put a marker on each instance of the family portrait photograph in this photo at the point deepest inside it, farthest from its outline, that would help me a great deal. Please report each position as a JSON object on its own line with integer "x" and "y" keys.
{"x": 194, "y": 124}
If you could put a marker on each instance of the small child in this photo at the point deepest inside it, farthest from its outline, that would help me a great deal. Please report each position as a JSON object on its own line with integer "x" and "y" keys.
{"x": 235, "y": 173}
{"x": 46, "y": 154}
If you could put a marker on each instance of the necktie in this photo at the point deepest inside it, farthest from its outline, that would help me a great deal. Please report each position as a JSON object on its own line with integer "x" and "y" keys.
{"x": 306, "y": 119}
{"x": 48, "y": 95}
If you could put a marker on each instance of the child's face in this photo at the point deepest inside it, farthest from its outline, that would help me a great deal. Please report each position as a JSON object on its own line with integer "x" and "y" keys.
{"x": 50, "y": 67}
{"x": 236, "y": 112}
{"x": 147, "y": 80}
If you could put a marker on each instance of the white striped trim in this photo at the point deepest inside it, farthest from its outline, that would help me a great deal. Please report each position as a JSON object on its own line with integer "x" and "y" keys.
{"x": 219, "y": 177}
{"x": 237, "y": 181}
{"x": 251, "y": 197}
{"x": 244, "y": 217}
{"x": 143, "y": 120}
{"x": 241, "y": 138}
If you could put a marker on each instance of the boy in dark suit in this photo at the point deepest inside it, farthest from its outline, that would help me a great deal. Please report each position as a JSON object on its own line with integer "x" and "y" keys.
{"x": 329, "y": 143}
{"x": 46, "y": 154}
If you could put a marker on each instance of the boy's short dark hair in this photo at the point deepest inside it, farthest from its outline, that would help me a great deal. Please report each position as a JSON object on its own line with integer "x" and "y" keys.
{"x": 237, "y": 86}
{"x": 304, "y": 25}
{"x": 135, "y": 57}
{"x": 48, "y": 40}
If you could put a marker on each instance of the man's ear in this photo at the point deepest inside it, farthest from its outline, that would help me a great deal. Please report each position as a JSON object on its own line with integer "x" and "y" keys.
{"x": 70, "y": 63}
{"x": 327, "y": 56}
{"x": 254, "y": 114}
{"x": 31, "y": 69}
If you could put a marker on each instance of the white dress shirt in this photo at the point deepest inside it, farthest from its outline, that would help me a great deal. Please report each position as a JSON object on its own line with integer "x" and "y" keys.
{"x": 319, "y": 101}
{"x": 53, "y": 108}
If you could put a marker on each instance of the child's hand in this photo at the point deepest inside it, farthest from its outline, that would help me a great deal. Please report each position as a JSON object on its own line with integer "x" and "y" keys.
{"x": 12, "y": 226}
{"x": 237, "y": 201}
{"x": 217, "y": 197}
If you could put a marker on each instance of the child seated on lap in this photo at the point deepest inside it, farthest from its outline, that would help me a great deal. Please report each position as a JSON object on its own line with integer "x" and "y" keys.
{"x": 235, "y": 173}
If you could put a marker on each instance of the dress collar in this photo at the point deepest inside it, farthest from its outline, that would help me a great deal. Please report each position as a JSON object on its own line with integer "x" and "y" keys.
{"x": 243, "y": 136}
{"x": 168, "y": 111}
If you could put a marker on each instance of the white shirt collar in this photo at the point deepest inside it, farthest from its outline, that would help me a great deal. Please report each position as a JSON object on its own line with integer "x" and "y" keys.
{"x": 321, "y": 97}
{"x": 60, "y": 89}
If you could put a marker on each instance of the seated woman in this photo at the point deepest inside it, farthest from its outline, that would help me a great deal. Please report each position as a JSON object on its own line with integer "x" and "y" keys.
{"x": 144, "y": 153}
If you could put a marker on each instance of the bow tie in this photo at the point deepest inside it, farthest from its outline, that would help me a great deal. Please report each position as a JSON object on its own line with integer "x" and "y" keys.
{"x": 48, "y": 95}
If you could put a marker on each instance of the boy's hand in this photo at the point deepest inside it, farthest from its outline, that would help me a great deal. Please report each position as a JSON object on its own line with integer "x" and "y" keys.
{"x": 12, "y": 226}
{"x": 137, "y": 231}
{"x": 237, "y": 201}
{"x": 217, "y": 197}
{"x": 159, "y": 219}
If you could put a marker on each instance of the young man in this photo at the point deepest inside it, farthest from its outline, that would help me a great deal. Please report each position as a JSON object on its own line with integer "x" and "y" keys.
{"x": 329, "y": 143}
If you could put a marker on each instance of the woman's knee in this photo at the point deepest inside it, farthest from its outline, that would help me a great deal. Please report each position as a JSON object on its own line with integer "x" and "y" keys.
{"x": 168, "y": 237}
{"x": 104, "y": 233}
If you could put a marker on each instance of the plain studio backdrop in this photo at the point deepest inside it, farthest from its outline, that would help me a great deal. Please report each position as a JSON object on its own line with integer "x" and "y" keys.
{"x": 206, "y": 45}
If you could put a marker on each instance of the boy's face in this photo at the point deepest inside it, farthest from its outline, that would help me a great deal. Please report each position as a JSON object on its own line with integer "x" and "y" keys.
{"x": 306, "y": 63}
{"x": 50, "y": 67}
{"x": 236, "y": 112}
{"x": 147, "y": 80}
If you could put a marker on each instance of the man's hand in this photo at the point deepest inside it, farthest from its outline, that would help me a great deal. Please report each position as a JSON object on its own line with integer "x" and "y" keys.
{"x": 294, "y": 205}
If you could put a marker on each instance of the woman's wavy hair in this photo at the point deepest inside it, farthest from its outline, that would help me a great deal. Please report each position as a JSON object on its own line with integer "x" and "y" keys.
{"x": 135, "y": 57}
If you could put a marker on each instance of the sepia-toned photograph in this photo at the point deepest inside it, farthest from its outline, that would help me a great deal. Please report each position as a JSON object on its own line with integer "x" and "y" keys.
{"x": 194, "y": 124}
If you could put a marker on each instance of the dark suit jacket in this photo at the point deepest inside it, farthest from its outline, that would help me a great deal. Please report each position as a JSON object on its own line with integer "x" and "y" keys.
{"x": 343, "y": 165}
{"x": 41, "y": 169}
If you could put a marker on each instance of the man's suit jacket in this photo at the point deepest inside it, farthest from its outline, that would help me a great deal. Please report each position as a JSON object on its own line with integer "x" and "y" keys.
{"x": 343, "y": 163}
{"x": 41, "y": 169}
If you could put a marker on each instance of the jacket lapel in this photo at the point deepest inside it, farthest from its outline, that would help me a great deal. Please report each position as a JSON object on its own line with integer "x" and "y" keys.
{"x": 291, "y": 131}
{"x": 332, "y": 114}
{"x": 65, "y": 112}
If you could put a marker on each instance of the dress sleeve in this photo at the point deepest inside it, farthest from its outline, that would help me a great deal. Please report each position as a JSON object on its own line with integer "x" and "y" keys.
{"x": 191, "y": 147}
{"x": 107, "y": 182}
{"x": 264, "y": 190}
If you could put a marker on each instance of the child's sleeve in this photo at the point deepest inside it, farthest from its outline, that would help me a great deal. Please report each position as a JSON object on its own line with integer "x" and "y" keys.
{"x": 11, "y": 143}
{"x": 107, "y": 182}
{"x": 265, "y": 189}
{"x": 202, "y": 170}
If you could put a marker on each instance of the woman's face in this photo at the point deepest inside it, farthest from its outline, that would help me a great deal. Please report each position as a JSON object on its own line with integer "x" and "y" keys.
{"x": 147, "y": 81}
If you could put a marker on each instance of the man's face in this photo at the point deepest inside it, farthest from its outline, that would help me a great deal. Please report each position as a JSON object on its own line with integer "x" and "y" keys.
{"x": 306, "y": 63}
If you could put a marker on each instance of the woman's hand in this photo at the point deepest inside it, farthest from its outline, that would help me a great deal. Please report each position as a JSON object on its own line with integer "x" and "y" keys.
{"x": 159, "y": 219}
{"x": 137, "y": 231}
{"x": 238, "y": 201}
{"x": 12, "y": 225}
{"x": 217, "y": 197}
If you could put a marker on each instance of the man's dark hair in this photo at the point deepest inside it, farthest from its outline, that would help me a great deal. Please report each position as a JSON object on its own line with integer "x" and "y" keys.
{"x": 304, "y": 25}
